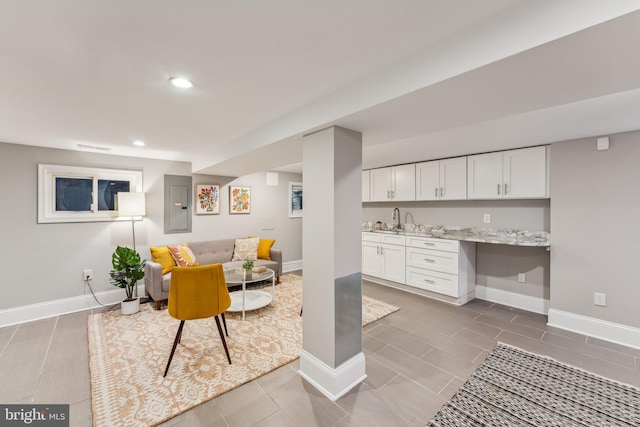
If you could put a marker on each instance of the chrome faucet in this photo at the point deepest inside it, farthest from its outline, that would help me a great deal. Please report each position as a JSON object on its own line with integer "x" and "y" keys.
{"x": 396, "y": 219}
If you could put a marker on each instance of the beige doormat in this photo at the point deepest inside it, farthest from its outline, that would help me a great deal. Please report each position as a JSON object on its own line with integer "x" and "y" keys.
{"x": 128, "y": 355}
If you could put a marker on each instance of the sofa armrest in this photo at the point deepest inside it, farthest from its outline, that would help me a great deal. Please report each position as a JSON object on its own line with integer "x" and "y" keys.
{"x": 276, "y": 255}
{"x": 153, "y": 280}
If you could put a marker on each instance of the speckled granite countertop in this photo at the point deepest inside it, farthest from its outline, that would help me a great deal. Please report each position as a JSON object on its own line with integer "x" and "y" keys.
{"x": 473, "y": 234}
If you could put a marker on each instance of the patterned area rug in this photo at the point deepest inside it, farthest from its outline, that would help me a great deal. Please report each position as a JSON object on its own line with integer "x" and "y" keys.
{"x": 516, "y": 388}
{"x": 128, "y": 354}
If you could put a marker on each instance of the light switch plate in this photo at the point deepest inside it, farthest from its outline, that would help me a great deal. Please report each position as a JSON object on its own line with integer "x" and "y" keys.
{"x": 600, "y": 299}
{"x": 521, "y": 277}
{"x": 486, "y": 218}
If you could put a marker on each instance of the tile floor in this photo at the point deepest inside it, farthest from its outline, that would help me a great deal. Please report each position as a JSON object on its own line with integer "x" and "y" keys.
{"x": 416, "y": 359}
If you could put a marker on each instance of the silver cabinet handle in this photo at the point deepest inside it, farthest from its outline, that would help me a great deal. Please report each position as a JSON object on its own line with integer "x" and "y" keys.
{"x": 441, "y": 191}
{"x": 429, "y": 260}
{"x": 378, "y": 250}
{"x": 505, "y": 188}
{"x": 429, "y": 243}
{"x": 381, "y": 251}
{"x": 436, "y": 195}
{"x": 498, "y": 189}
{"x": 429, "y": 281}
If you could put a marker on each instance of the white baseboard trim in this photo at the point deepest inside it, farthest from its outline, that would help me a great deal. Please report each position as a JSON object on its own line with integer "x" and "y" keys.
{"x": 467, "y": 297}
{"x": 291, "y": 266}
{"x": 597, "y": 328}
{"x": 43, "y": 310}
{"x": 513, "y": 299}
{"x": 332, "y": 382}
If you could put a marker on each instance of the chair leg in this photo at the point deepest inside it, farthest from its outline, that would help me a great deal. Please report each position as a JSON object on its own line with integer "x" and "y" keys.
{"x": 158, "y": 305}
{"x": 301, "y": 310}
{"x": 224, "y": 322}
{"x": 175, "y": 344}
{"x": 224, "y": 343}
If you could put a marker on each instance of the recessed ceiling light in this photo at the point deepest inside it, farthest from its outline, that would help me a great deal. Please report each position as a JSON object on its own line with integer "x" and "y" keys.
{"x": 138, "y": 143}
{"x": 181, "y": 82}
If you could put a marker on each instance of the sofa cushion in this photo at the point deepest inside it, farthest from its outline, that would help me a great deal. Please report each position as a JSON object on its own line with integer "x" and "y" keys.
{"x": 166, "y": 282}
{"x": 213, "y": 251}
{"x": 162, "y": 256}
{"x": 246, "y": 249}
{"x": 183, "y": 255}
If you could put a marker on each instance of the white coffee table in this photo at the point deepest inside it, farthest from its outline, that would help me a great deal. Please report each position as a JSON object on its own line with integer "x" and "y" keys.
{"x": 247, "y": 300}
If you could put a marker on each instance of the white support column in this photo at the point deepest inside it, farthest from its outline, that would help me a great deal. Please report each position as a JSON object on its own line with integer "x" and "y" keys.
{"x": 331, "y": 357}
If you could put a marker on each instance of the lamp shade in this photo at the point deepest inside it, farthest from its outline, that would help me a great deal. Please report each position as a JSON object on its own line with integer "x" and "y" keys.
{"x": 131, "y": 204}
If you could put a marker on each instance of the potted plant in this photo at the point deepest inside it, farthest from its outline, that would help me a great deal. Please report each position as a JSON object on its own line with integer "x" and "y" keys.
{"x": 127, "y": 270}
{"x": 248, "y": 269}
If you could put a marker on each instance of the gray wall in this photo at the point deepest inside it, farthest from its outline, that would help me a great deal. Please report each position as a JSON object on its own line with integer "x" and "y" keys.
{"x": 44, "y": 262}
{"x": 497, "y": 266}
{"x": 595, "y": 209}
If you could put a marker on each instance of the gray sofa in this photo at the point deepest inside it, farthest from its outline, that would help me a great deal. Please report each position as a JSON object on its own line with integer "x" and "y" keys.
{"x": 209, "y": 252}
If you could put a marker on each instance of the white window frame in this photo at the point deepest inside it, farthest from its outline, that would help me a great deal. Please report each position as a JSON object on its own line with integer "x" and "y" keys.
{"x": 47, "y": 175}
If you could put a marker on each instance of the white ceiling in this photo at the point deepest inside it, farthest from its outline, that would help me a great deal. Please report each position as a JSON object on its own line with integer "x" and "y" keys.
{"x": 435, "y": 77}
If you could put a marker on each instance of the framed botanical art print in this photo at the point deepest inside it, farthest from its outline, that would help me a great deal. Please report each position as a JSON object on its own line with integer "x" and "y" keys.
{"x": 295, "y": 200}
{"x": 207, "y": 199}
{"x": 239, "y": 200}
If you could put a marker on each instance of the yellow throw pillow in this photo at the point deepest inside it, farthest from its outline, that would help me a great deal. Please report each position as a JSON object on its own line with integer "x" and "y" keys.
{"x": 183, "y": 255}
{"x": 162, "y": 256}
{"x": 264, "y": 248}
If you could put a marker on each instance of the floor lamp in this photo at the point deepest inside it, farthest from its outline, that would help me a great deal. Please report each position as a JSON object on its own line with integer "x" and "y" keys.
{"x": 131, "y": 205}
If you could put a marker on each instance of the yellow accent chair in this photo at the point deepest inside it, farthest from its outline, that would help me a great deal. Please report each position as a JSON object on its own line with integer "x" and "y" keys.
{"x": 198, "y": 293}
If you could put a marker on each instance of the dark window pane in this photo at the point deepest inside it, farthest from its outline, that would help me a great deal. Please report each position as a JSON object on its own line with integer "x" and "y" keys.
{"x": 73, "y": 194}
{"x": 296, "y": 200}
{"x": 107, "y": 190}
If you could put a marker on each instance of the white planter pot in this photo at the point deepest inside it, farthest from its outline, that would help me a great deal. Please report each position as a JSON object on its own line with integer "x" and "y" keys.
{"x": 130, "y": 307}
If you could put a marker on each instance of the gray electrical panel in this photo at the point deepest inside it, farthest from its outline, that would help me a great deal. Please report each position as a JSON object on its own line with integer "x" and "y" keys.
{"x": 177, "y": 204}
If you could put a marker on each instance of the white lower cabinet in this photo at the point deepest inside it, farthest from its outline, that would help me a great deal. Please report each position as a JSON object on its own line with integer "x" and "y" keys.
{"x": 446, "y": 267}
{"x": 383, "y": 256}
{"x": 443, "y": 266}
{"x": 442, "y": 283}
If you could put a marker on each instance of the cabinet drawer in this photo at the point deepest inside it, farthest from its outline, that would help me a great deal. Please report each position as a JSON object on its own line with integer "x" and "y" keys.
{"x": 371, "y": 237}
{"x": 438, "y": 244}
{"x": 390, "y": 239}
{"x": 433, "y": 281}
{"x": 445, "y": 262}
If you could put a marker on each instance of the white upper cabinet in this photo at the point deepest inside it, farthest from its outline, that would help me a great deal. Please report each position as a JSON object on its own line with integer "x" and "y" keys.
{"x": 396, "y": 183}
{"x": 525, "y": 173}
{"x": 442, "y": 179}
{"x": 365, "y": 186}
{"x": 513, "y": 174}
{"x": 484, "y": 175}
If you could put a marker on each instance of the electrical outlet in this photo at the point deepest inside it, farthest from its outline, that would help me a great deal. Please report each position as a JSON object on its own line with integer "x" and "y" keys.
{"x": 87, "y": 274}
{"x": 600, "y": 299}
{"x": 521, "y": 278}
{"x": 486, "y": 218}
